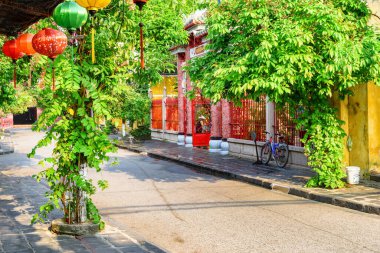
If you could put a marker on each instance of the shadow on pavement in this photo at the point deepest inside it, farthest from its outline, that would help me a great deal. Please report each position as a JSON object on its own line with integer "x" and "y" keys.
{"x": 200, "y": 206}
{"x": 136, "y": 165}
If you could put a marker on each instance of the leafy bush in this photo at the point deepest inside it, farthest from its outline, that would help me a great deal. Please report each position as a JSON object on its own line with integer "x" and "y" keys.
{"x": 141, "y": 133}
{"x": 110, "y": 128}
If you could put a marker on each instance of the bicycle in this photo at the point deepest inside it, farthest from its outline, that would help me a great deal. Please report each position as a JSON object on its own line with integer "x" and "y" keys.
{"x": 277, "y": 151}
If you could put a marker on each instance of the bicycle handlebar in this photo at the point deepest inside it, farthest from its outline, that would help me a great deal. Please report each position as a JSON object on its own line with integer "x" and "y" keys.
{"x": 280, "y": 135}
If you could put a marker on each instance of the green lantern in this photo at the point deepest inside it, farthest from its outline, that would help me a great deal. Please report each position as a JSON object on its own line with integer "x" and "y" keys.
{"x": 70, "y": 15}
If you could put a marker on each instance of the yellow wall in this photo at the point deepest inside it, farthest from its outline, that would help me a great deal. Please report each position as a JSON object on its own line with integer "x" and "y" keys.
{"x": 358, "y": 127}
{"x": 170, "y": 82}
{"x": 361, "y": 112}
{"x": 374, "y": 126}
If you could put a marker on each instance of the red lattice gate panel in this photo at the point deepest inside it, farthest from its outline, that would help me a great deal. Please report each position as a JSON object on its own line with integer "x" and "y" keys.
{"x": 6, "y": 122}
{"x": 247, "y": 118}
{"x": 157, "y": 114}
{"x": 171, "y": 114}
{"x": 285, "y": 125}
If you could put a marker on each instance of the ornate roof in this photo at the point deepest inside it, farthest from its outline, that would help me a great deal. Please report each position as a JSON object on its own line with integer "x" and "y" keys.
{"x": 18, "y": 15}
{"x": 196, "y": 18}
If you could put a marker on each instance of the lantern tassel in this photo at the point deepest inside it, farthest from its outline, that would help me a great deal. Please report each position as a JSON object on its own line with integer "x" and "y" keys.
{"x": 14, "y": 74}
{"x": 93, "y": 44}
{"x": 53, "y": 76}
{"x": 30, "y": 77}
{"x": 142, "y": 63}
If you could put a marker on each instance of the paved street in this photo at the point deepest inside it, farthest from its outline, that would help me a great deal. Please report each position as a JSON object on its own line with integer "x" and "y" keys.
{"x": 20, "y": 197}
{"x": 181, "y": 210}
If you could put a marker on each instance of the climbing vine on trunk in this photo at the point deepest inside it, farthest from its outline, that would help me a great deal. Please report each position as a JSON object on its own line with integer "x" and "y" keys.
{"x": 84, "y": 95}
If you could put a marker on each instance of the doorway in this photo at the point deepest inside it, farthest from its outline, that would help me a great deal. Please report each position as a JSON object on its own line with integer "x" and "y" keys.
{"x": 201, "y": 121}
{"x": 26, "y": 118}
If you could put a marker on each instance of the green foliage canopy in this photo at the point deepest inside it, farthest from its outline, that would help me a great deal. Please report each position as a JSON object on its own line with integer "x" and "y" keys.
{"x": 297, "y": 53}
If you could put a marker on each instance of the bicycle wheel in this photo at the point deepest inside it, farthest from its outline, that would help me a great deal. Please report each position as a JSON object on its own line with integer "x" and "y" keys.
{"x": 266, "y": 152}
{"x": 282, "y": 155}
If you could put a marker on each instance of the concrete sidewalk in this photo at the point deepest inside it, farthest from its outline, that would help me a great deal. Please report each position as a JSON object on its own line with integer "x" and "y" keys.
{"x": 364, "y": 197}
{"x": 19, "y": 200}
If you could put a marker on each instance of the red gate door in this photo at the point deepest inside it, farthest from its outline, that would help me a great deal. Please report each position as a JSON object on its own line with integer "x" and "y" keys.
{"x": 201, "y": 122}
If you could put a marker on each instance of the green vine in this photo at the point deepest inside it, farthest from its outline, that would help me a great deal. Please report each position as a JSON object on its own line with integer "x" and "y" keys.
{"x": 298, "y": 53}
{"x": 86, "y": 93}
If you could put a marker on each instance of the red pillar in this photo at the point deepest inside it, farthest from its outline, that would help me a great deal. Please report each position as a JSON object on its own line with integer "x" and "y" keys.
{"x": 181, "y": 95}
{"x": 216, "y": 127}
{"x": 189, "y": 107}
{"x": 226, "y": 119}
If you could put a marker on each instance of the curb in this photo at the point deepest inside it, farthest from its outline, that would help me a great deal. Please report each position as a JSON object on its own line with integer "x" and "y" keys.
{"x": 265, "y": 183}
{"x": 2, "y": 152}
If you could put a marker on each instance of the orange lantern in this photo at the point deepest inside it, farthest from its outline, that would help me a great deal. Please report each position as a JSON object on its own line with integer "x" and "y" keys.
{"x": 24, "y": 43}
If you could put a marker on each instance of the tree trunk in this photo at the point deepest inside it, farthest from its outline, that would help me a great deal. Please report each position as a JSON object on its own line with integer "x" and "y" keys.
{"x": 81, "y": 199}
{"x": 123, "y": 128}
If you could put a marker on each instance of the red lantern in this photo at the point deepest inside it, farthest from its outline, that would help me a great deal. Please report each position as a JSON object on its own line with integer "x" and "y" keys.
{"x": 24, "y": 43}
{"x": 140, "y": 3}
{"x": 11, "y": 50}
{"x": 50, "y": 42}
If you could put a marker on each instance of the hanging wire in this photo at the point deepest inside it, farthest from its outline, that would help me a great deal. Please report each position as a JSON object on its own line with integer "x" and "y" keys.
{"x": 30, "y": 71}
{"x": 72, "y": 55}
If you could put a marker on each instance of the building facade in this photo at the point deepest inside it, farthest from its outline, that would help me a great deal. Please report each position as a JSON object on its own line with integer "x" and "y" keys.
{"x": 223, "y": 127}
{"x": 228, "y": 128}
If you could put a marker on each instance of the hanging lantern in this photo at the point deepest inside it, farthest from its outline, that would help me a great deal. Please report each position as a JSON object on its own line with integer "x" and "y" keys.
{"x": 51, "y": 43}
{"x": 93, "y": 6}
{"x": 70, "y": 15}
{"x": 24, "y": 43}
{"x": 11, "y": 50}
{"x": 140, "y": 4}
